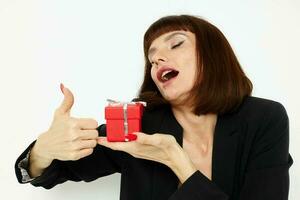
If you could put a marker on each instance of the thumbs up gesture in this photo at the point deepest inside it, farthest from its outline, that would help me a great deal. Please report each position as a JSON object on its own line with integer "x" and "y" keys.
{"x": 68, "y": 138}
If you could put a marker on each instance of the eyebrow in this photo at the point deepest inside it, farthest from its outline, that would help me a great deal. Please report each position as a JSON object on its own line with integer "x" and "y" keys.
{"x": 152, "y": 50}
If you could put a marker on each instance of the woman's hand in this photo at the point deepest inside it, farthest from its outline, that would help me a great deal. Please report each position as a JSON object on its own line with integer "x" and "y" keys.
{"x": 68, "y": 138}
{"x": 161, "y": 148}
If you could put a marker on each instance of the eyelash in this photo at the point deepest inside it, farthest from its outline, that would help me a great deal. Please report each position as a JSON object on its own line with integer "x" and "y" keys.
{"x": 173, "y": 47}
{"x": 177, "y": 45}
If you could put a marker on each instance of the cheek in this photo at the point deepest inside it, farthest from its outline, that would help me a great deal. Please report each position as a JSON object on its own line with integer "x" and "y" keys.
{"x": 193, "y": 66}
{"x": 153, "y": 75}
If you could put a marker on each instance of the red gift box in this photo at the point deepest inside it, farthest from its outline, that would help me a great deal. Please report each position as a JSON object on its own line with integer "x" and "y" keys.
{"x": 122, "y": 119}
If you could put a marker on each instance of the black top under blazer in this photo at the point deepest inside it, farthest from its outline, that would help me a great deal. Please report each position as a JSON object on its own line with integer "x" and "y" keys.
{"x": 250, "y": 159}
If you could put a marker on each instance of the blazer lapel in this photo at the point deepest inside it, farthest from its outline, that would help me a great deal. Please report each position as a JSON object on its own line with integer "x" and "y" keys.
{"x": 225, "y": 151}
{"x": 165, "y": 182}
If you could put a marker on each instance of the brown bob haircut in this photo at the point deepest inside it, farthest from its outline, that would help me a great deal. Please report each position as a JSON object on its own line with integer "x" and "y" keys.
{"x": 221, "y": 84}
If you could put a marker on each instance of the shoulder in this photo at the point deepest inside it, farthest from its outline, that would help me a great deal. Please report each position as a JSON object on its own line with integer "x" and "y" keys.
{"x": 265, "y": 132}
{"x": 260, "y": 109}
{"x": 153, "y": 118}
{"x": 264, "y": 123}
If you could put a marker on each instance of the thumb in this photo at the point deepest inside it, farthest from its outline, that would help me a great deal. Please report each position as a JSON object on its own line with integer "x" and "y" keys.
{"x": 68, "y": 101}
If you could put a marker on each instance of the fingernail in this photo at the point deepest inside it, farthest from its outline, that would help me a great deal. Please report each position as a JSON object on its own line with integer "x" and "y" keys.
{"x": 100, "y": 139}
{"x": 131, "y": 136}
{"x": 62, "y": 88}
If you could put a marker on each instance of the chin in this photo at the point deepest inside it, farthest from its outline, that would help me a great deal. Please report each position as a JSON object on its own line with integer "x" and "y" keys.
{"x": 170, "y": 96}
{"x": 174, "y": 100}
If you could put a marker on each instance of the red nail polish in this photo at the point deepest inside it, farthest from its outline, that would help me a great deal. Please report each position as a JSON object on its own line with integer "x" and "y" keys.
{"x": 62, "y": 88}
{"x": 131, "y": 137}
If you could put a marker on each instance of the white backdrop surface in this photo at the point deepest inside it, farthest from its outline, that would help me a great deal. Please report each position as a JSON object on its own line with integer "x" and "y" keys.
{"x": 95, "y": 49}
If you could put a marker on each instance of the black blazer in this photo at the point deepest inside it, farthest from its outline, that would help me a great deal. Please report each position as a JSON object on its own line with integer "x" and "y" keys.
{"x": 250, "y": 159}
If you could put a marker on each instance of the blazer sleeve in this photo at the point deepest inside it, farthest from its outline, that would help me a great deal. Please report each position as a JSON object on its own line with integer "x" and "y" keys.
{"x": 199, "y": 187}
{"x": 103, "y": 161}
{"x": 266, "y": 176}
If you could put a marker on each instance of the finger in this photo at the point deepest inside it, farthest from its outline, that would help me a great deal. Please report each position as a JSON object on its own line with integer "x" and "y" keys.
{"x": 143, "y": 138}
{"x": 83, "y": 153}
{"x": 67, "y": 102}
{"x": 88, "y": 134}
{"x": 86, "y": 123}
{"x": 120, "y": 146}
{"x": 133, "y": 148}
{"x": 103, "y": 141}
{"x": 85, "y": 144}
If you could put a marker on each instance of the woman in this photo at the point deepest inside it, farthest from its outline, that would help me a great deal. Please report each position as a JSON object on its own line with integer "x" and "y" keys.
{"x": 203, "y": 135}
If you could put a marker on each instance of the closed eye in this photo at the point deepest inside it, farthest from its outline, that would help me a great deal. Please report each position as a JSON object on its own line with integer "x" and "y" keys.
{"x": 177, "y": 45}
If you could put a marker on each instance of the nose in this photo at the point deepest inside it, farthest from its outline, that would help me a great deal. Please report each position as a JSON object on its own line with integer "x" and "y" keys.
{"x": 159, "y": 58}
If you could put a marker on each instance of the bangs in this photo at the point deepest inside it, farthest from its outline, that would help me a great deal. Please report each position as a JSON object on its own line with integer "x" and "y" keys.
{"x": 165, "y": 25}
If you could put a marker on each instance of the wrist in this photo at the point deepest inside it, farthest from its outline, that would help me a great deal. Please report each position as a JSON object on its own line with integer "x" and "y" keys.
{"x": 37, "y": 161}
{"x": 181, "y": 164}
{"x": 38, "y": 156}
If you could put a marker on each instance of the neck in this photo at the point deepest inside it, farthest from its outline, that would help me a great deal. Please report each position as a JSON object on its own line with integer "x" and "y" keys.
{"x": 196, "y": 127}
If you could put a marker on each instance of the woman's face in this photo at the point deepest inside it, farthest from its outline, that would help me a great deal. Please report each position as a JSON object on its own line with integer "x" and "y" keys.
{"x": 173, "y": 59}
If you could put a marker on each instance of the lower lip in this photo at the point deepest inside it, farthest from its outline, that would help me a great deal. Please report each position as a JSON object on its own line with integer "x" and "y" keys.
{"x": 169, "y": 81}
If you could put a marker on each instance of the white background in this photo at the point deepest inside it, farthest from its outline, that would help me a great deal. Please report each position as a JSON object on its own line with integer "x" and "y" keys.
{"x": 95, "y": 48}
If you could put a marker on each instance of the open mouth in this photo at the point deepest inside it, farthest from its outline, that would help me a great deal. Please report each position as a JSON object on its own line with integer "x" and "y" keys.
{"x": 167, "y": 74}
